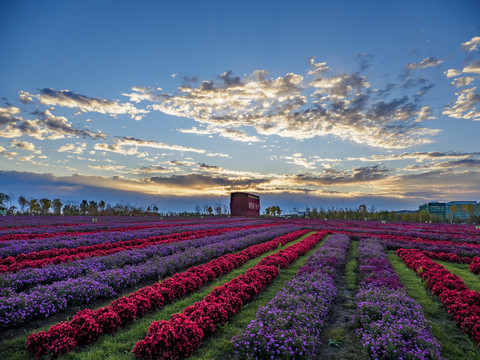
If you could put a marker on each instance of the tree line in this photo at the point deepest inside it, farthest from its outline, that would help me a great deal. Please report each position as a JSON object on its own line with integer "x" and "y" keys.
{"x": 45, "y": 206}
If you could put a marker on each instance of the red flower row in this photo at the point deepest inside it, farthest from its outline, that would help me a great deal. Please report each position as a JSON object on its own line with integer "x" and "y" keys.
{"x": 56, "y": 256}
{"x": 474, "y": 263}
{"x": 183, "y": 333}
{"x": 88, "y": 325}
{"x": 462, "y": 303}
{"x": 450, "y": 257}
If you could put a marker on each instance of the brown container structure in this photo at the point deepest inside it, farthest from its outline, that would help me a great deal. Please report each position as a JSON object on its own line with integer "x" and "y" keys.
{"x": 244, "y": 204}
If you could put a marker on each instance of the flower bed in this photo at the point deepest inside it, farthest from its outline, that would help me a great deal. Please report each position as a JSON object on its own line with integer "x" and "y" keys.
{"x": 390, "y": 323}
{"x": 289, "y": 326}
{"x": 183, "y": 333}
{"x": 88, "y": 325}
{"x": 46, "y": 300}
{"x": 56, "y": 256}
{"x": 14, "y": 248}
{"x": 462, "y": 303}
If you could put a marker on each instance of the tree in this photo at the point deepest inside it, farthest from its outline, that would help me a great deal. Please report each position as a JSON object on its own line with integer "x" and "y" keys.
{"x": 34, "y": 207}
{"x": 278, "y": 210}
{"x": 57, "y": 206}
{"x": 3, "y": 202}
{"x": 92, "y": 208}
{"x": 210, "y": 210}
{"x": 22, "y": 202}
{"x": 454, "y": 210}
{"x": 470, "y": 209}
{"x": 45, "y": 204}
{"x": 84, "y": 207}
{"x": 218, "y": 209}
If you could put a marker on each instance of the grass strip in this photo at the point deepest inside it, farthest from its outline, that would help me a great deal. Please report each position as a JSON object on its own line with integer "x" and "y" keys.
{"x": 455, "y": 344}
{"x": 472, "y": 281}
{"x": 219, "y": 346}
{"x": 351, "y": 268}
{"x": 119, "y": 345}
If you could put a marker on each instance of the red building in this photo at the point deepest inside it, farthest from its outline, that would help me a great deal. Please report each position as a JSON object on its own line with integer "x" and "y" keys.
{"x": 244, "y": 204}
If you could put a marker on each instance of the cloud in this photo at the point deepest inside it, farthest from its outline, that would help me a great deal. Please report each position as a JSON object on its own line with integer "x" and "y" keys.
{"x": 293, "y": 107}
{"x": 83, "y": 103}
{"x": 452, "y": 72}
{"x": 150, "y": 169}
{"x": 77, "y": 148}
{"x": 107, "y": 167}
{"x": 474, "y": 67}
{"x": 25, "y": 145}
{"x": 25, "y": 97}
{"x": 8, "y": 155}
{"x": 427, "y": 62}
{"x": 465, "y": 106}
{"x": 139, "y": 94}
{"x": 462, "y": 81}
{"x": 129, "y": 146}
{"x": 471, "y": 45}
{"x": 317, "y": 68}
{"x": 334, "y": 177}
{"x": 199, "y": 182}
{"x": 228, "y": 133}
{"x": 46, "y": 126}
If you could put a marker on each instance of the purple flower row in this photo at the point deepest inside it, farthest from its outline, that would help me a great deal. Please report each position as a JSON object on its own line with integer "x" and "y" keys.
{"x": 14, "y": 248}
{"x": 47, "y": 300}
{"x": 391, "y": 325}
{"x": 289, "y": 326}
{"x": 28, "y": 278}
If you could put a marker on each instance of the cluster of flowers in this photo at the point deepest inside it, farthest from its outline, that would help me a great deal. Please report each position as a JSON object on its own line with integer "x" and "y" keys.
{"x": 391, "y": 324}
{"x": 183, "y": 333}
{"x": 45, "y": 300}
{"x": 14, "y": 248}
{"x": 88, "y": 325}
{"x": 462, "y": 303}
{"x": 289, "y": 326}
{"x": 437, "y": 232}
{"x": 28, "y": 278}
{"x": 56, "y": 256}
{"x": 448, "y": 256}
{"x": 473, "y": 263}
{"x": 126, "y": 227}
{"x": 416, "y": 240}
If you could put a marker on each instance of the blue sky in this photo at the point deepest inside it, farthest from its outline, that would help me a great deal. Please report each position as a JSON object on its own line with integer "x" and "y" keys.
{"x": 305, "y": 103}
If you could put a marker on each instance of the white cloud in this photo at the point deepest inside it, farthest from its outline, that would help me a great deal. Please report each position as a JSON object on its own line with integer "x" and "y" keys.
{"x": 25, "y": 145}
{"x": 452, "y": 72}
{"x": 471, "y": 45}
{"x": 107, "y": 167}
{"x": 474, "y": 67}
{"x": 462, "y": 81}
{"x": 25, "y": 97}
{"x": 339, "y": 105}
{"x": 427, "y": 62}
{"x": 77, "y": 148}
{"x": 465, "y": 106}
{"x": 85, "y": 103}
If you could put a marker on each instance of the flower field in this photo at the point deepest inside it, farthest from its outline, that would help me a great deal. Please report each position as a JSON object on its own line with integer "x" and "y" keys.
{"x": 237, "y": 288}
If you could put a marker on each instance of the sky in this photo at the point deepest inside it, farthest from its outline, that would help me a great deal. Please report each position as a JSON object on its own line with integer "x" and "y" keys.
{"x": 305, "y": 103}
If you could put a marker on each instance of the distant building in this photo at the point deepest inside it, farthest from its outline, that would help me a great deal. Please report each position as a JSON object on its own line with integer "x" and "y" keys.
{"x": 244, "y": 204}
{"x": 453, "y": 209}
